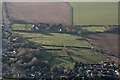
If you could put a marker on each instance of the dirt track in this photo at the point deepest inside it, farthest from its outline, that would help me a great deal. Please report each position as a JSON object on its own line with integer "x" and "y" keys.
{"x": 44, "y": 12}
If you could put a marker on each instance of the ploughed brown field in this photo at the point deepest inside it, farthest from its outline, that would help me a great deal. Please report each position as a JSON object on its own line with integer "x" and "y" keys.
{"x": 105, "y": 41}
{"x": 44, "y": 12}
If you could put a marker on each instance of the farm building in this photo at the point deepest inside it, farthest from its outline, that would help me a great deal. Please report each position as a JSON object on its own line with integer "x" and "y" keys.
{"x": 40, "y": 12}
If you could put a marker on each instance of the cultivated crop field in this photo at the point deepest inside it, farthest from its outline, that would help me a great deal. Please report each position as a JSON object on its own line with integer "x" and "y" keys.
{"x": 43, "y": 12}
{"x": 105, "y": 41}
{"x": 95, "y": 13}
{"x": 84, "y": 13}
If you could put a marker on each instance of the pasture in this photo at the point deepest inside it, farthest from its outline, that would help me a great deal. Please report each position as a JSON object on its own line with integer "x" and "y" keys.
{"x": 55, "y": 38}
{"x": 67, "y": 55}
{"x": 94, "y": 29}
{"x": 86, "y": 13}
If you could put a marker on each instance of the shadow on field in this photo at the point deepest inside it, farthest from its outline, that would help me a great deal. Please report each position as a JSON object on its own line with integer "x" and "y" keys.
{"x": 115, "y": 30}
{"x": 52, "y": 58}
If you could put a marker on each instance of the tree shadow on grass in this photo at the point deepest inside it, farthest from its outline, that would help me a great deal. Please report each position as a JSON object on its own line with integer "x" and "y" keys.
{"x": 51, "y": 58}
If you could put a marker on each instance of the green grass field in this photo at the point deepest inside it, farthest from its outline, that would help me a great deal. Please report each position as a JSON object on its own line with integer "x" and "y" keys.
{"x": 62, "y": 57}
{"x": 52, "y": 57}
{"x": 55, "y": 38}
{"x": 94, "y": 29}
{"x": 20, "y": 27}
{"x": 87, "y": 13}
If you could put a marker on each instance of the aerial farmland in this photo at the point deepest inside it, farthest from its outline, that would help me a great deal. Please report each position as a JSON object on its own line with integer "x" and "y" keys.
{"x": 48, "y": 40}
